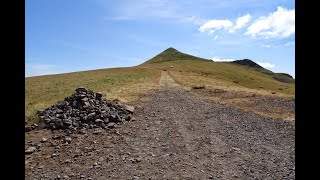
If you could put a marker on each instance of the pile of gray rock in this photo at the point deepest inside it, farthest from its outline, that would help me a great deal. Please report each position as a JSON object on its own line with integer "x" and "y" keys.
{"x": 83, "y": 110}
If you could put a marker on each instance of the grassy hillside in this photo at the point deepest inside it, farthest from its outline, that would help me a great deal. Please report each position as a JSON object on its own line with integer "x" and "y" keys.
{"x": 124, "y": 84}
{"x": 282, "y": 77}
{"x": 191, "y": 73}
{"x": 170, "y": 55}
{"x": 247, "y": 63}
{"x": 127, "y": 84}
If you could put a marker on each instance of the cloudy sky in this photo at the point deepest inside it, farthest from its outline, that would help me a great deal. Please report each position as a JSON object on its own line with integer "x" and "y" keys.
{"x": 75, "y": 35}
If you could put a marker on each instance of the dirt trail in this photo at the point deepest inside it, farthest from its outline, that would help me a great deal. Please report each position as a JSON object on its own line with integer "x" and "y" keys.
{"x": 175, "y": 136}
{"x": 167, "y": 82}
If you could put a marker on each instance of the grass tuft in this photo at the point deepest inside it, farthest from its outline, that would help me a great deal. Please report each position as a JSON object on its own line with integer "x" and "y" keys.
{"x": 198, "y": 87}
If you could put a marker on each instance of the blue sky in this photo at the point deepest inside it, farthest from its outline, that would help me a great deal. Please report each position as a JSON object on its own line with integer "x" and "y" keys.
{"x": 76, "y": 35}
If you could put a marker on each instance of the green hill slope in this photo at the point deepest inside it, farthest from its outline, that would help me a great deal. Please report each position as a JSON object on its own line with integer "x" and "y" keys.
{"x": 128, "y": 84}
{"x": 172, "y": 54}
{"x": 125, "y": 84}
{"x": 282, "y": 77}
{"x": 207, "y": 73}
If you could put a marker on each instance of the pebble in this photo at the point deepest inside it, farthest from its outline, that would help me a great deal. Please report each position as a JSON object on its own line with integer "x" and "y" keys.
{"x": 44, "y": 140}
{"x": 68, "y": 139}
{"x": 98, "y": 131}
{"x": 30, "y": 150}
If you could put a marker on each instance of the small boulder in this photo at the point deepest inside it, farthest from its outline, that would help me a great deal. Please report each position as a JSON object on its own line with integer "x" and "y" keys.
{"x": 79, "y": 89}
{"x": 30, "y": 150}
{"x": 129, "y": 108}
{"x": 68, "y": 139}
{"x": 111, "y": 124}
{"x": 98, "y": 95}
{"x": 27, "y": 128}
{"x": 98, "y": 121}
{"x": 82, "y": 131}
{"x": 97, "y": 131}
{"x": 44, "y": 140}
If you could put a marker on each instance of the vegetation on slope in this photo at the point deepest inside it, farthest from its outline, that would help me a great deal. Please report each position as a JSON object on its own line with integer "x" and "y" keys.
{"x": 191, "y": 73}
{"x": 125, "y": 84}
{"x": 247, "y": 62}
{"x": 250, "y": 64}
{"x": 282, "y": 77}
{"x": 172, "y": 54}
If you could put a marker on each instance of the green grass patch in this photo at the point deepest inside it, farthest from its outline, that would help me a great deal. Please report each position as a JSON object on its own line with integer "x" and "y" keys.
{"x": 43, "y": 91}
{"x": 194, "y": 73}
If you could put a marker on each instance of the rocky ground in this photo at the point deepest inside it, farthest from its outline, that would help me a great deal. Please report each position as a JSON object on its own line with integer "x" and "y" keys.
{"x": 272, "y": 106}
{"x": 176, "y": 135}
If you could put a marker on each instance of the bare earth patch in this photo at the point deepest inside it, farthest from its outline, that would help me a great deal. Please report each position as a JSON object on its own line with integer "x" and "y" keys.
{"x": 277, "y": 107}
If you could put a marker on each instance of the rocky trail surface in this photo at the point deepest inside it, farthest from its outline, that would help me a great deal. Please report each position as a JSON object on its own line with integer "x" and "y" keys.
{"x": 174, "y": 136}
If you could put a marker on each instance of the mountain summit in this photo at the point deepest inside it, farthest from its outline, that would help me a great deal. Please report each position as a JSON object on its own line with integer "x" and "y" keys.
{"x": 171, "y": 54}
{"x": 247, "y": 62}
{"x": 282, "y": 77}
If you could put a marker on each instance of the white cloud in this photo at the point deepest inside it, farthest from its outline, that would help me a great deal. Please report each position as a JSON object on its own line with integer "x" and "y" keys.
{"x": 278, "y": 24}
{"x": 266, "y": 65}
{"x": 215, "y": 37}
{"x": 217, "y": 59}
{"x": 289, "y": 43}
{"x": 266, "y": 45}
{"x": 213, "y": 25}
{"x": 39, "y": 69}
{"x": 241, "y": 22}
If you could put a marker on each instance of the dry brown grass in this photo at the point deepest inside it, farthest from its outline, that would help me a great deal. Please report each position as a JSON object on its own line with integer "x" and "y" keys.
{"x": 245, "y": 100}
{"x": 127, "y": 84}
{"x": 124, "y": 84}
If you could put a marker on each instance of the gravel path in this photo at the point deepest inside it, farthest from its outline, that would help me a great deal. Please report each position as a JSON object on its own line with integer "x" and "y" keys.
{"x": 175, "y": 136}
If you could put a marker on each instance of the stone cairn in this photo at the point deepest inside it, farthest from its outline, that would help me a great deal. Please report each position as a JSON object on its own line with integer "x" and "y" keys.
{"x": 84, "y": 110}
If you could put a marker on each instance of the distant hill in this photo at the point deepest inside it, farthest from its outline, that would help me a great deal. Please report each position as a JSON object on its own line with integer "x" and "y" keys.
{"x": 251, "y": 64}
{"x": 172, "y": 54}
{"x": 282, "y": 77}
{"x": 247, "y": 62}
